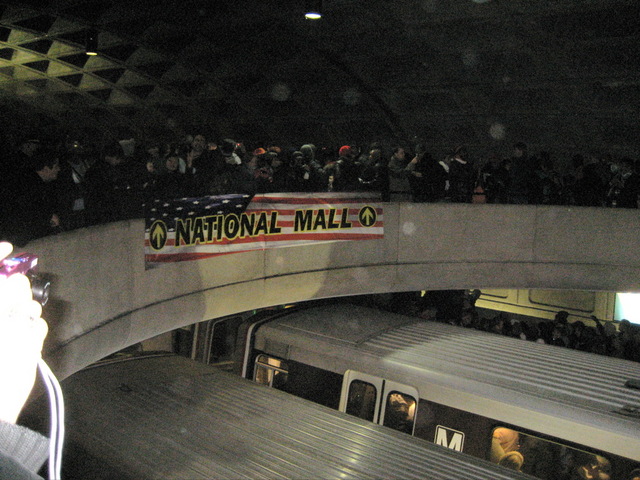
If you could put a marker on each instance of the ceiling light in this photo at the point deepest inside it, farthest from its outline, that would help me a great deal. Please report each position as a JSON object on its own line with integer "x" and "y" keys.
{"x": 314, "y": 12}
{"x": 91, "y": 45}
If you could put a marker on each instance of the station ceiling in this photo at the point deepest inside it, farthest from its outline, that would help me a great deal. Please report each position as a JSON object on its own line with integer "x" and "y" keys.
{"x": 485, "y": 73}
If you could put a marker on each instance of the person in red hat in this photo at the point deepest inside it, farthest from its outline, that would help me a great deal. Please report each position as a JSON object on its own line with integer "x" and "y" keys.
{"x": 343, "y": 173}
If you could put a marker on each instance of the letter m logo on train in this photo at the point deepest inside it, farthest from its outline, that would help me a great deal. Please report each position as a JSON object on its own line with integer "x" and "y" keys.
{"x": 449, "y": 438}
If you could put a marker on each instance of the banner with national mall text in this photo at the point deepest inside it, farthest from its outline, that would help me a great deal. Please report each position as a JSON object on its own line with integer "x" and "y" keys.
{"x": 197, "y": 228}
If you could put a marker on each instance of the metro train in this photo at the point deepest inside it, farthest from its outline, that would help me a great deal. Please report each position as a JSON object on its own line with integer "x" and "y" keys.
{"x": 162, "y": 416}
{"x": 552, "y": 412}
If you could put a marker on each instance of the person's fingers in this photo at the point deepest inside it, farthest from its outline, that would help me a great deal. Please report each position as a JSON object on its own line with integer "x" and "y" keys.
{"x": 16, "y": 290}
{"x": 34, "y": 310}
{"x": 22, "y": 333}
{"x": 40, "y": 330}
{"x": 5, "y": 249}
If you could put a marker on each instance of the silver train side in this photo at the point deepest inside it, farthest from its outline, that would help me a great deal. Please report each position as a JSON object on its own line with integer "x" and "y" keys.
{"x": 167, "y": 417}
{"x": 469, "y": 381}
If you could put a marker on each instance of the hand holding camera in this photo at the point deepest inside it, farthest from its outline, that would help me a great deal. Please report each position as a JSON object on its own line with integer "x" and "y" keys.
{"x": 22, "y": 333}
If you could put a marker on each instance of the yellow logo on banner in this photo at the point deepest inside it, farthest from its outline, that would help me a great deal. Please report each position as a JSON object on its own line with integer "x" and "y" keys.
{"x": 367, "y": 216}
{"x": 158, "y": 235}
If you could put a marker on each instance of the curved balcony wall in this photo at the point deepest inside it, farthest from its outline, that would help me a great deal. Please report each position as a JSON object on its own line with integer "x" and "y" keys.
{"x": 103, "y": 299}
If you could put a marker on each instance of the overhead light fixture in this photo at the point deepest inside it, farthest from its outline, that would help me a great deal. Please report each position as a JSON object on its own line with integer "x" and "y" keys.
{"x": 91, "y": 45}
{"x": 315, "y": 10}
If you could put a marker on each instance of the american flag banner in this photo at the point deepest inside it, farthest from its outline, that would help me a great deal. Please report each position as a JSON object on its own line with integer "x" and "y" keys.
{"x": 197, "y": 228}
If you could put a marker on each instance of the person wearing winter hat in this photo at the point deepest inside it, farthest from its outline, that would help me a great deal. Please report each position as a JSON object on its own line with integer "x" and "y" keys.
{"x": 228, "y": 150}
{"x": 231, "y": 175}
{"x": 346, "y": 171}
{"x": 345, "y": 151}
{"x": 311, "y": 176}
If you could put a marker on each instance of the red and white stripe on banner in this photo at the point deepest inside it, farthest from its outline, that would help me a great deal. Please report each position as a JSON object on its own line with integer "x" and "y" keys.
{"x": 271, "y": 221}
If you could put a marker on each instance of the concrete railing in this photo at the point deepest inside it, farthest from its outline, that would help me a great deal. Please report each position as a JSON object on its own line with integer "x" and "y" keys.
{"x": 103, "y": 299}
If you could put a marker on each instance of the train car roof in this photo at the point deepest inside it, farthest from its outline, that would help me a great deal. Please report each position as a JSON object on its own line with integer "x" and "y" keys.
{"x": 166, "y": 417}
{"x": 471, "y": 370}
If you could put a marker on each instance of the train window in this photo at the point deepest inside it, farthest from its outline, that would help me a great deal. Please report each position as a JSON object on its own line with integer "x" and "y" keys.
{"x": 270, "y": 371}
{"x": 546, "y": 459}
{"x": 361, "y": 401}
{"x": 399, "y": 412}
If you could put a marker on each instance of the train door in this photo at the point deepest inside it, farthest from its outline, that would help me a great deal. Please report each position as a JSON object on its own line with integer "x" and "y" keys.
{"x": 380, "y": 401}
{"x": 214, "y": 341}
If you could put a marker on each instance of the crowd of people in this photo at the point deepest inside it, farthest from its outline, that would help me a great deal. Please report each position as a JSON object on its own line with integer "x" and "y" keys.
{"x": 50, "y": 188}
{"x": 619, "y": 339}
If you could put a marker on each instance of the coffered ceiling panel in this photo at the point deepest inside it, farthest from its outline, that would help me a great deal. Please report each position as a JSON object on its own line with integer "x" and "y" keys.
{"x": 555, "y": 74}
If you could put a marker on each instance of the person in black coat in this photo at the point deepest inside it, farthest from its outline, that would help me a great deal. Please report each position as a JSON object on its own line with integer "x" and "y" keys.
{"x": 169, "y": 182}
{"x": 29, "y": 203}
{"x": 427, "y": 178}
{"x": 624, "y": 189}
{"x": 115, "y": 187}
